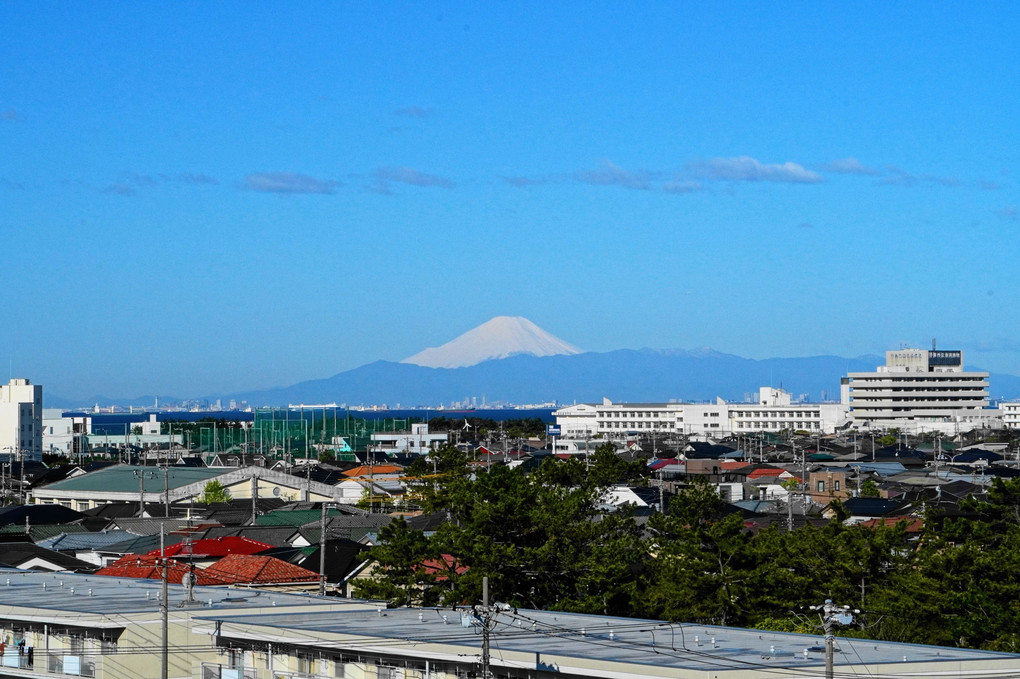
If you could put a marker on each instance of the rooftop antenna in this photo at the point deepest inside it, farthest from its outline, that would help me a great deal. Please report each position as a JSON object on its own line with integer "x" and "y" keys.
{"x": 933, "y": 344}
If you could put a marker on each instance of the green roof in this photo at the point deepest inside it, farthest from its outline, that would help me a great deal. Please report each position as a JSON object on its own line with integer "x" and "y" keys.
{"x": 124, "y": 478}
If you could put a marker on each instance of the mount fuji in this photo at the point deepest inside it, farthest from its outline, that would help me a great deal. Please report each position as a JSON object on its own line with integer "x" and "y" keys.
{"x": 511, "y": 360}
{"x": 498, "y": 338}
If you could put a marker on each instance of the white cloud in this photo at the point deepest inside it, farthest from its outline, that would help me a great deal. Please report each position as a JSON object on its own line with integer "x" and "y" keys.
{"x": 614, "y": 175}
{"x": 849, "y": 166}
{"x": 747, "y": 169}
{"x": 289, "y": 182}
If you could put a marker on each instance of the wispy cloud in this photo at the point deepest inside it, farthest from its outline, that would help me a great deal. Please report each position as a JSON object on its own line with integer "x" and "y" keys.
{"x": 996, "y": 345}
{"x": 1010, "y": 212}
{"x": 139, "y": 179}
{"x": 289, "y": 182}
{"x": 614, "y": 175}
{"x": 190, "y": 178}
{"x": 682, "y": 187}
{"x": 747, "y": 169}
{"x": 897, "y": 176}
{"x": 119, "y": 189}
{"x": 10, "y": 115}
{"x": 849, "y": 166}
{"x": 522, "y": 182}
{"x": 406, "y": 175}
{"x": 413, "y": 112}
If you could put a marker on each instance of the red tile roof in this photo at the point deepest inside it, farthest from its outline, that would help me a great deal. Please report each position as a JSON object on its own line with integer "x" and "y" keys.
{"x": 145, "y": 567}
{"x": 765, "y": 472}
{"x": 444, "y": 564}
{"x": 914, "y": 525}
{"x": 231, "y": 569}
{"x": 215, "y": 547}
{"x": 245, "y": 568}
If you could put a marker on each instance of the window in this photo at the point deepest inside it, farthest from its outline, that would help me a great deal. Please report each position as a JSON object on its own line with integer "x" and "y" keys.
{"x": 821, "y": 486}
{"x": 835, "y": 485}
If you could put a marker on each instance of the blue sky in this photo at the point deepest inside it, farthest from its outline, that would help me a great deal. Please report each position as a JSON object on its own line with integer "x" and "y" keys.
{"x": 197, "y": 198}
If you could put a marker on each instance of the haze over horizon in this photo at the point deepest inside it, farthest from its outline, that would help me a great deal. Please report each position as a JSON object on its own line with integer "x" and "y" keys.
{"x": 212, "y": 198}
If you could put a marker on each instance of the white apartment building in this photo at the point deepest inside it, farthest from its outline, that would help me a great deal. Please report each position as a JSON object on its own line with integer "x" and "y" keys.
{"x": 64, "y": 435}
{"x": 919, "y": 390}
{"x": 773, "y": 411}
{"x": 1010, "y": 414}
{"x": 417, "y": 440}
{"x": 21, "y": 425}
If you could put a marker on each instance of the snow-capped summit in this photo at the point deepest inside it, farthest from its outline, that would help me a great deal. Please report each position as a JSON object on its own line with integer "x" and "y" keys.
{"x": 501, "y": 337}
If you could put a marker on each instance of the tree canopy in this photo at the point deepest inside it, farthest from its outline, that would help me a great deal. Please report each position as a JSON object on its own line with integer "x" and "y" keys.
{"x": 545, "y": 540}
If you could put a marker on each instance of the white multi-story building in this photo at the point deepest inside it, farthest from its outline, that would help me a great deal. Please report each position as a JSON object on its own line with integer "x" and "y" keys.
{"x": 774, "y": 411}
{"x": 418, "y": 440}
{"x": 919, "y": 390}
{"x": 1010, "y": 414}
{"x": 21, "y": 425}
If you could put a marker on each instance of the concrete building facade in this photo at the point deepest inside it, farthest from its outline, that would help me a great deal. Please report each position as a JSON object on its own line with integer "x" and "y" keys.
{"x": 21, "y": 420}
{"x": 1010, "y": 414}
{"x": 773, "y": 411}
{"x": 919, "y": 390}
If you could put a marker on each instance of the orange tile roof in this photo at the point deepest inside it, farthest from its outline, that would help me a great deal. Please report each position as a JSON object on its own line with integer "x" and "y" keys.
{"x": 376, "y": 469}
{"x": 733, "y": 464}
{"x": 145, "y": 567}
{"x": 247, "y": 568}
{"x": 231, "y": 569}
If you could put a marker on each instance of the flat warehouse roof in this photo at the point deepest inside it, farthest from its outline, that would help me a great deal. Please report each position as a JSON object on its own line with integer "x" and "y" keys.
{"x": 576, "y": 640}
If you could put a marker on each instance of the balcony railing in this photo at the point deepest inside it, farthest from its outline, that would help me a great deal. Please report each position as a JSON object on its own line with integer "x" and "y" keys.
{"x": 210, "y": 671}
{"x": 73, "y": 665}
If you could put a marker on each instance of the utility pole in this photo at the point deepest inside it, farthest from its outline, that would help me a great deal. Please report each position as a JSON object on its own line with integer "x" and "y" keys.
{"x": 322, "y": 552}
{"x": 166, "y": 490}
{"x": 485, "y": 627}
{"x": 164, "y": 608}
{"x": 832, "y": 615}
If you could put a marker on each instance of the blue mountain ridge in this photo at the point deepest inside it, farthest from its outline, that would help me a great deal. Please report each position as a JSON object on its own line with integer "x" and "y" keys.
{"x": 623, "y": 375}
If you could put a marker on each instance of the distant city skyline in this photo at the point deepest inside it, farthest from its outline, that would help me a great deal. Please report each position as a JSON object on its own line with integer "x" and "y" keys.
{"x": 202, "y": 199}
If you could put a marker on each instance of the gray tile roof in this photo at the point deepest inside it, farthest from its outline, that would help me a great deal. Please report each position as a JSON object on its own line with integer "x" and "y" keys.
{"x": 84, "y": 541}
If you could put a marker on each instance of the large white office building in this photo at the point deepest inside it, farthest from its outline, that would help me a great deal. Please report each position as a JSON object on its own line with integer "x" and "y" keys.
{"x": 773, "y": 411}
{"x": 919, "y": 390}
{"x": 21, "y": 412}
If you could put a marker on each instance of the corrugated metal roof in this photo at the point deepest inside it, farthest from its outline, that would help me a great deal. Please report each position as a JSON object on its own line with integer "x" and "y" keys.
{"x": 124, "y": 478}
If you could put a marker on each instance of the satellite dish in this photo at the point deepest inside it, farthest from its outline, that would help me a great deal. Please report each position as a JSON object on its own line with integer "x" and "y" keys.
{"x": 276, "y": 491}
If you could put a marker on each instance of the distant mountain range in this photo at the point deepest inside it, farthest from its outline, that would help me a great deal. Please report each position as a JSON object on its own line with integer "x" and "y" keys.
{"x": 511, "y": 360}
